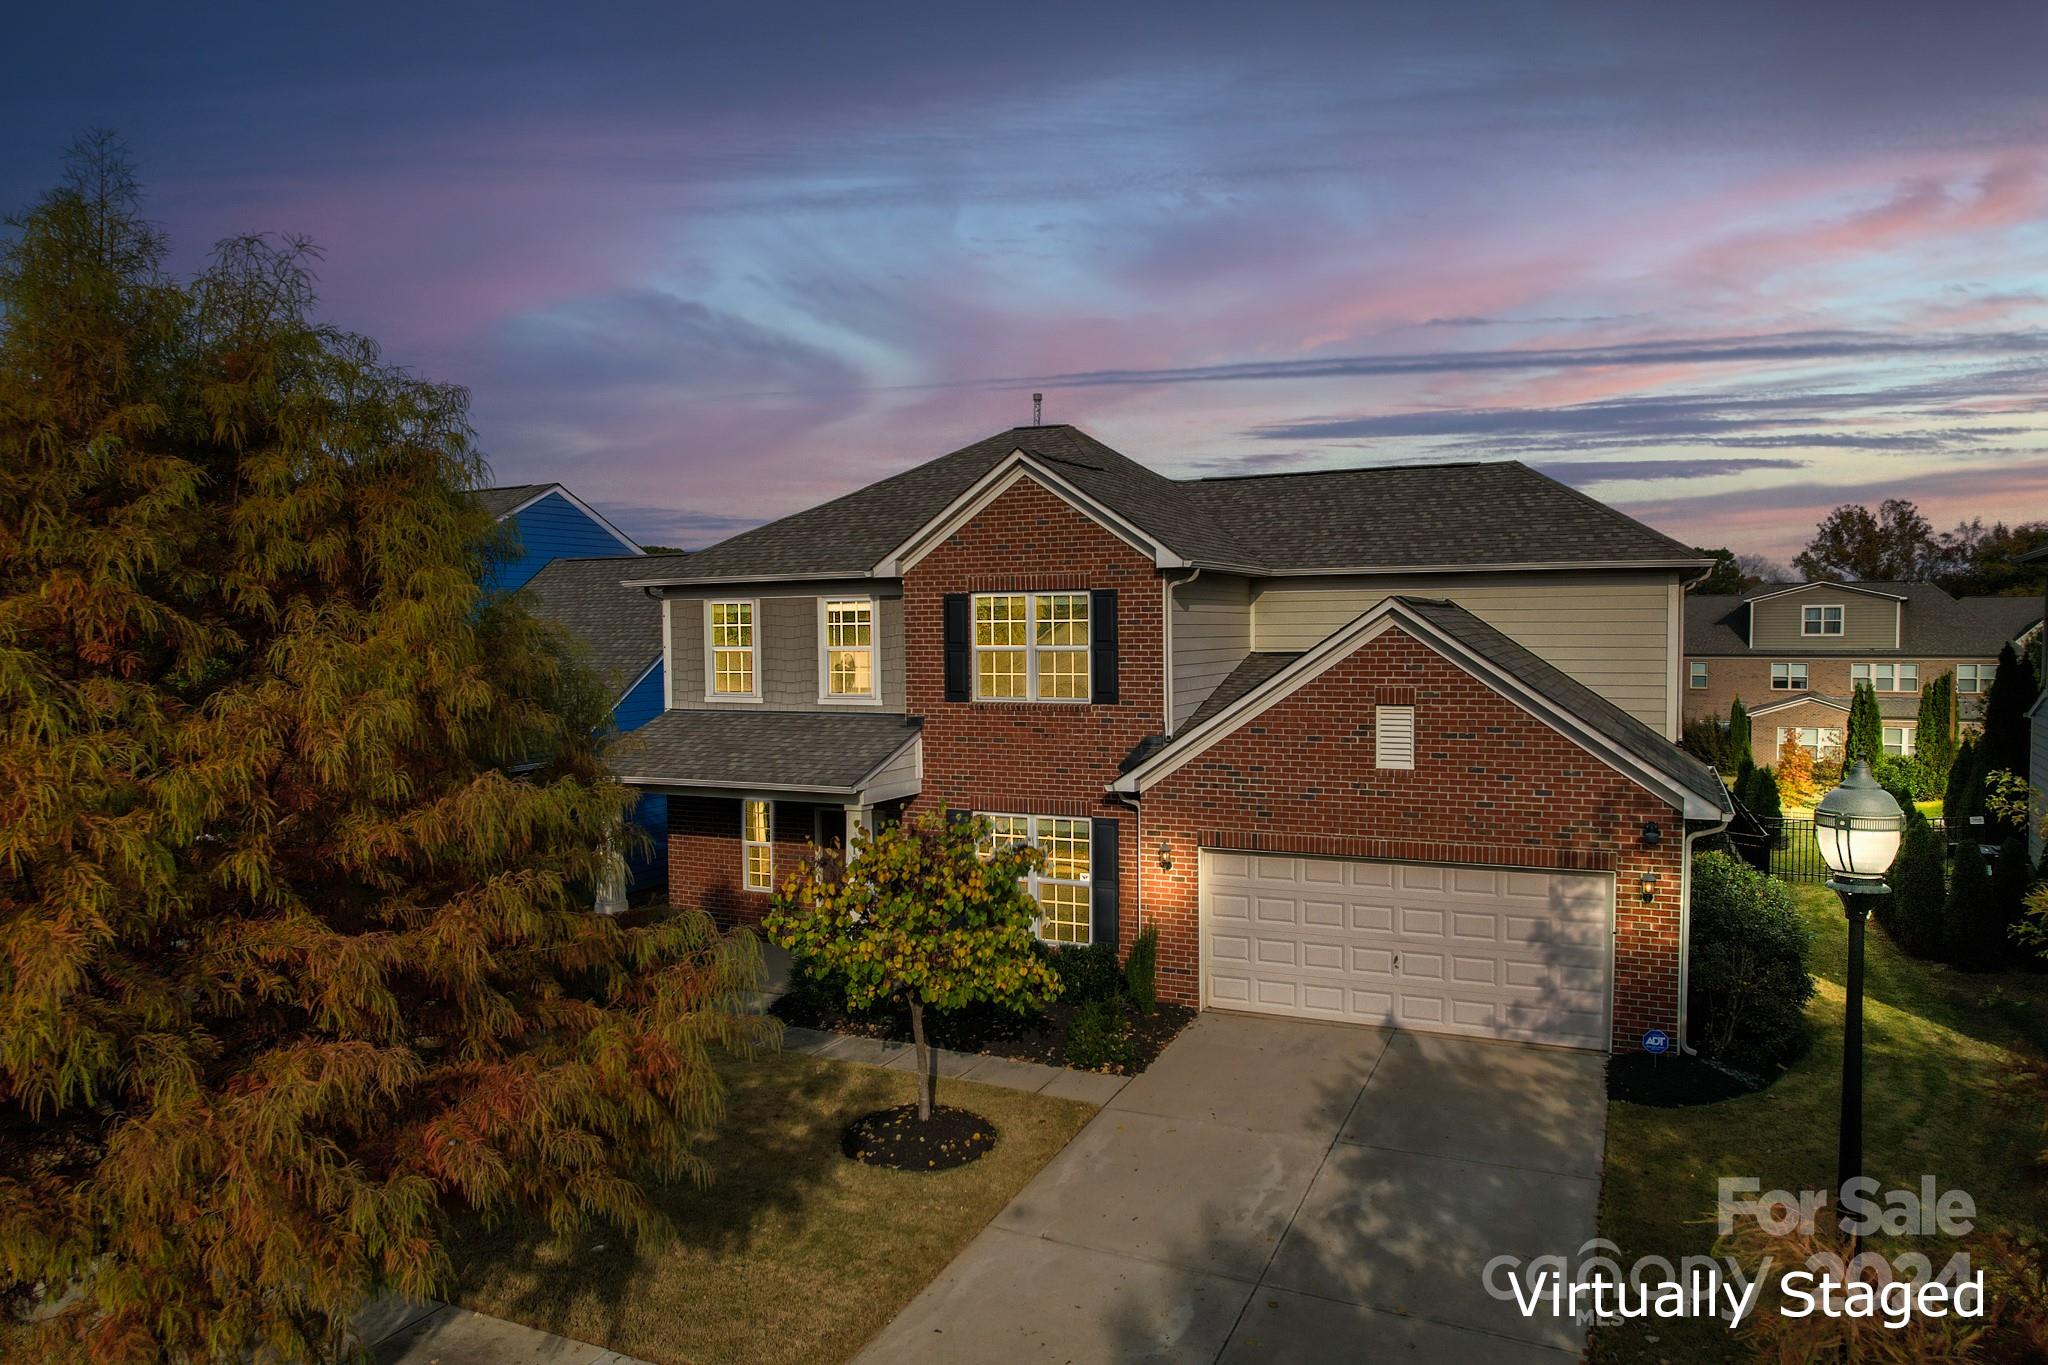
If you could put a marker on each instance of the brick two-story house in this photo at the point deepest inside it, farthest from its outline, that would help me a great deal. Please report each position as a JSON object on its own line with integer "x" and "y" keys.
{"x": 1794, "y": 653}
{"x": 1379, "y": 745}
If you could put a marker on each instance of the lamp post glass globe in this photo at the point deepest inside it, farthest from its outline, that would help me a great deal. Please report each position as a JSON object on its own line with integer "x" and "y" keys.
{"x": 1857, "y": 826}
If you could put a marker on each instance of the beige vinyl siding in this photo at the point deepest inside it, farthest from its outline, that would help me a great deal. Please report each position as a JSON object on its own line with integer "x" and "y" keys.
{"x": 1611, "y": 631}
{"x": 1867, "y": 622}
{"x": 786, "y": 658}
{"x": 1212, "y": 632}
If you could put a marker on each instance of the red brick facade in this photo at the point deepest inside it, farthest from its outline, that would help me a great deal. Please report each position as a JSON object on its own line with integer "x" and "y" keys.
{"x": 1750, "y": 679}
{"x": 1491, "y": 784}
{"x": 1036, "y": 758}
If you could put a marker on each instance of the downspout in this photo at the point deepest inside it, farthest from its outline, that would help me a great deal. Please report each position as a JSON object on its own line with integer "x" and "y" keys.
{"x": 1138, "y": 891}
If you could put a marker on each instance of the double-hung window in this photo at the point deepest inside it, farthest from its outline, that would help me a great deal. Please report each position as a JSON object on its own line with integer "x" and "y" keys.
{"x": 1788, "y": 677}
{"x": 757, "y": 845}
{"x": 848, "y": 630}
{"x": 1820, "y": 620}
{"x": 1898, "y": 739}
{"x": 1974, "y": 678}
{"x": 1031, "y": 646}
{"x": 731, "y": 649}
{"x": 1697, "y": 673}
{"x": 1064, "y": 885}
{"x": 1886, "y": 677}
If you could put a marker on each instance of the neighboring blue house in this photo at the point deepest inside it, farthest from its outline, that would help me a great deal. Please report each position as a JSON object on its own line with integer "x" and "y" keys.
{"x": 570, "y": 561}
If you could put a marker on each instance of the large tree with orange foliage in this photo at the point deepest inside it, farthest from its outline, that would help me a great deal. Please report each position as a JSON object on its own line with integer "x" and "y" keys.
{"x": 292, "y": 964}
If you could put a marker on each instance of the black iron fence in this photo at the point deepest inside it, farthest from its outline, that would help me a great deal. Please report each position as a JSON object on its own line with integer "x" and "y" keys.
{"x": 1785, "y": 847}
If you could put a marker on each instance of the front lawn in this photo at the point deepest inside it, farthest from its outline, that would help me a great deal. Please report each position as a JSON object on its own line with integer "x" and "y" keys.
{"x": 795, "y": 1254}
{"x": 1937, "y": 1044}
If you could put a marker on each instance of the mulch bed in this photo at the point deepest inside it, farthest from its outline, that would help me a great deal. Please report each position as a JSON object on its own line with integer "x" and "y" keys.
{"x": 896, "y": 1139}
{"x": 994, "y": 1032}
{"x": 1675, "y": 1081}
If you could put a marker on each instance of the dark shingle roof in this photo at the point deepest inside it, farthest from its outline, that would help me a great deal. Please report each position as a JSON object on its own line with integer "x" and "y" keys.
{"x": 1933, "y": 624}
{"x": 1572, "y": 696}
{"x": 757, "y": 749}
{"x": 1451, "y": 515}
{"x": 1247, "y": 677}
{"x": 499, "y": 501}
{"x": 620, "y": 626}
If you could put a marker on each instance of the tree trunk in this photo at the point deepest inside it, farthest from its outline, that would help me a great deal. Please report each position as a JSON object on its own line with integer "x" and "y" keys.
{"x": 924, "y": 1062}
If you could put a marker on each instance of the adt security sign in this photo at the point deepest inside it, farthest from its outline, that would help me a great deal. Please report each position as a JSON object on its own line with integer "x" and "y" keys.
{"x": 1656, "y": 1042}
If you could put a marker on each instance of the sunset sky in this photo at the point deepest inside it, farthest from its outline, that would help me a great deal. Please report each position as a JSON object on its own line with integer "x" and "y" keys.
{"x": 1723, "y": 266}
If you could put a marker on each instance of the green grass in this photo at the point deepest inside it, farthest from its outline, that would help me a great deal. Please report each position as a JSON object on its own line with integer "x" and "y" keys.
{"x": 794, "y": 1254}
{"x": 1937, "y": 1044}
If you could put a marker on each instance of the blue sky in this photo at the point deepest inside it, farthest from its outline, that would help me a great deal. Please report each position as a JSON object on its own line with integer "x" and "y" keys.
{"x": 1723, "y": 266}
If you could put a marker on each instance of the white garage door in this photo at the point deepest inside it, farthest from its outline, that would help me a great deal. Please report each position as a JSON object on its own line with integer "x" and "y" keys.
{"x": 1488, "y": 951}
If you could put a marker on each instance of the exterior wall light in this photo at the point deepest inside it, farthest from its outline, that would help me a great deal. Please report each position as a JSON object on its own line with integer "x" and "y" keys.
{"x": 1653, "y": 834}
{"x": 1648, "y": 887}
{"x": 1165, "y": 856}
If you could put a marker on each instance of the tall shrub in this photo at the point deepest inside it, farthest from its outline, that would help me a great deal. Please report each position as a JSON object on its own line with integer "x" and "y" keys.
{"x": 2004, "y": 743}
{"x": 1748, "y": 983}
{"x": 1707, "y": 740}
{"x": 1963, "y": 790}
{"x": 1934, "y": 736}
{"x": 1917, "y": 904}
{"x": 1739, "y": 743}
{"x": 1973, "y": 930}
{"x": 1865, "y": 743}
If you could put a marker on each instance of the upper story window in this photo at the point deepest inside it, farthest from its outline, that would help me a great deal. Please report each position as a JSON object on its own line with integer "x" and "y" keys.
{"x": 1064, "y": 886}
{"x": 731, "y": 648}
{"x": 1974, "y": 678}
{"x": 1031, "y": 646}
{"x": 848, "y": 633}
{"x": 1697, "y": 673}
{"x": 1820, "y": 620}
{"x": 1788, "y": 677}
{"x": 1886, "y": 677}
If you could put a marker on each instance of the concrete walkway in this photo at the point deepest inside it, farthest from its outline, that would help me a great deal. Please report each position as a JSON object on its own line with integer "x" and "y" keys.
{"x": 1277, "y": 1191}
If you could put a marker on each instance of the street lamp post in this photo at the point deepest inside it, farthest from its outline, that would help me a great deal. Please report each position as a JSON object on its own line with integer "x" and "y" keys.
{"x": 1857, "y": 826}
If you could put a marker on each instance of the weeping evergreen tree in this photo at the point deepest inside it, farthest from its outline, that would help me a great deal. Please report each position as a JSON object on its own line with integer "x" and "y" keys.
{"x": 291, "y": 968}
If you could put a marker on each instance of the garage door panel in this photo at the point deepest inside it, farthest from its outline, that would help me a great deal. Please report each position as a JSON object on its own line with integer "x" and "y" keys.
{"x": 1486, "y": 952}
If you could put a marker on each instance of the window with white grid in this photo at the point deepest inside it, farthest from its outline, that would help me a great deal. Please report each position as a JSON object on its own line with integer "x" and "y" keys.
{"x": 757, "y": 845}
{"x": 1031, "y": 646}
{"x": 849, "y": 636}
{"x": 1064, "y": 885}
{"x": 730, "y": 628}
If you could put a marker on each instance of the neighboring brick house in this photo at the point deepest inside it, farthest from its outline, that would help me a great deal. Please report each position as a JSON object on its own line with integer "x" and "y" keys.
{"x": 1379, "y": 745}
{"x": 1794, "y": 653}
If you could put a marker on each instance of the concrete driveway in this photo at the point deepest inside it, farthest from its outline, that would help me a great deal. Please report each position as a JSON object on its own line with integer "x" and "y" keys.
{"x": 1277, "y": 1191}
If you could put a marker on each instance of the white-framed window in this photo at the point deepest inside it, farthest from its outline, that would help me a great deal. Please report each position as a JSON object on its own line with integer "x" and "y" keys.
{"x": 1065, "y": 886}
{"x": 757, "y": 845}
{"x": 1823, "y": 620}
{"x": 1031, "y": 646}
{"x": 1811, "y": 738}
{"x": 731, "y": 650}
{"x": 1696, "y": 673}
{"x": 1974, "y": 678}
{"x": 1788, "y": 677}
{"x": 1393, "y": 736}
{"x": 1898, "y": 739}
{"x": 846, "y": 650}
{"x": 1886, "y": 677}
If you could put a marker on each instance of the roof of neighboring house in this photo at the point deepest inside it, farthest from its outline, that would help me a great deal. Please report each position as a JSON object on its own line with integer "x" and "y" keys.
{"x": 620, "y": 626}
{"x": 1932, "y": 624}
{"x": 1567, "y": 703}
{"x": 1890, "y": 705}
{"x": 762, "y": 751}
{"x": 1461, "y": 515}
{"x": 499, "y": 501}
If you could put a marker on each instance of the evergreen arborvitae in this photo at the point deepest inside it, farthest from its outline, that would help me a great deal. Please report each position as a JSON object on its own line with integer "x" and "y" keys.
{"x": 1964, "y": 786}
{"x": 289, "y": 960}
{"x": 1934, "y": 735}
{"x": 2003, "y": 747}
{"x": 1918, "y": 892}
{"x": 1738, "y": 735}
{"x": 1866, "y": 728}
{"x": 1973, "y": 932}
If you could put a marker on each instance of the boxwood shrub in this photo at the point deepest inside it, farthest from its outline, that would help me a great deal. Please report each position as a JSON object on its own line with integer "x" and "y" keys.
{"x": 1748, "y": 980}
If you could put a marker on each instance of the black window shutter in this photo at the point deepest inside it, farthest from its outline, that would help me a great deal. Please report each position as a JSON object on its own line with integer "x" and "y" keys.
{"x": 959, "y": 655}
{"x": 1102, "y": 629}
{"x": 1103, "y": 865}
